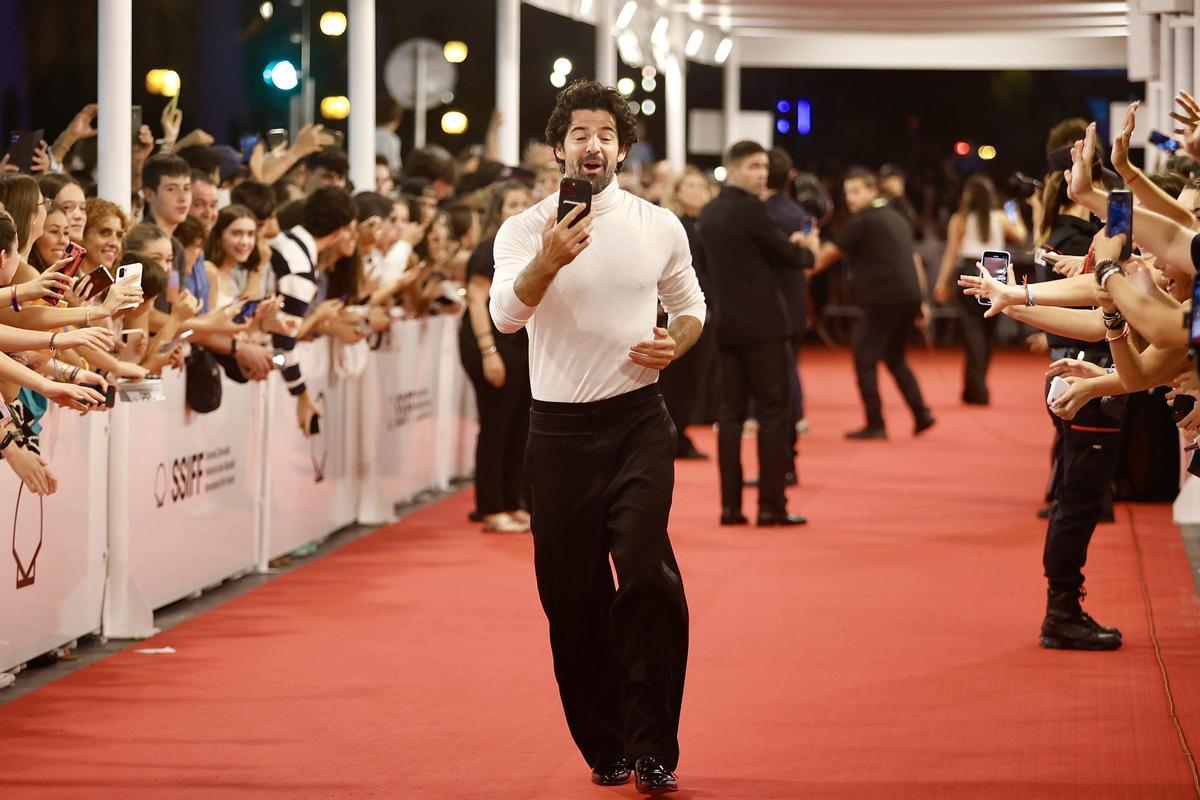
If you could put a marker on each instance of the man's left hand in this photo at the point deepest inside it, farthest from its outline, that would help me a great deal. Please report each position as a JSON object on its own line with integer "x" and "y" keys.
{"x": 654, "y": 353}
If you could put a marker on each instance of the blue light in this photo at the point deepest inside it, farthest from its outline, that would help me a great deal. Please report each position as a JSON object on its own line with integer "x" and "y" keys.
{"x": 783, "y": 126}
{"x": 281, "y": 75}
{"x": 803, "y": 117}
{"x": 783, "y": 106}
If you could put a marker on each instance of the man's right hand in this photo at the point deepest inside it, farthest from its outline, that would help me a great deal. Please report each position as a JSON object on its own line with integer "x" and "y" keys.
{"x": 561, "y": 243}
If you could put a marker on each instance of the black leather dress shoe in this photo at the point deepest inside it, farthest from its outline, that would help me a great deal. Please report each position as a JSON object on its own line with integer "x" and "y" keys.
{"x": 653, "y": 777}
{"x": 733, "y": 516}
{"x": 867, "y": 433}
{"x": 614, "y": 773}
{"x": 785, "y": 519}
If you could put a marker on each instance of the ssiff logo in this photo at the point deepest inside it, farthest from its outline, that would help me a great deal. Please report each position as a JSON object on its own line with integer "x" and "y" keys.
{"x": 184, "y": 480}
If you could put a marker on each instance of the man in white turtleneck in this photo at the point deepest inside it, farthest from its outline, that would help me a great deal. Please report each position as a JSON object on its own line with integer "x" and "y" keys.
{"x": 601, "y": 443}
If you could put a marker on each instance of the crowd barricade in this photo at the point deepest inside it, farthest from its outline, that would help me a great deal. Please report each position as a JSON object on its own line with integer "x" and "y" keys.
{"x": 157, "y": 503}
{"x": 52, "y": 586}
{"x": 183, "y": 499}
{"x": 311, "y": 482}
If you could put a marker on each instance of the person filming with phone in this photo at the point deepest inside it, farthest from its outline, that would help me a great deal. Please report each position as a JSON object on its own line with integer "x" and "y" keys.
{"x": 584, "y": 271}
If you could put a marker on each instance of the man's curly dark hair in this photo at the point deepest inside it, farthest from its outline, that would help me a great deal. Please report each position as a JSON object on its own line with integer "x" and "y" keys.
{"x": 590, "y": 95}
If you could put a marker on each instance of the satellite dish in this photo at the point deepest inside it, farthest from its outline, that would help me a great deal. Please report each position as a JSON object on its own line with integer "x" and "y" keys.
{"x": 400, "y": 73}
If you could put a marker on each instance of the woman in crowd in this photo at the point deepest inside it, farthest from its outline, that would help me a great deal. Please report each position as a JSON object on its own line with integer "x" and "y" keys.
{"x": 685, "y": 384}
{"x": 232, "y": 258}
{"x": 102, "y": 234}
{"x": 52, "y": 244}
{"x": 68, "y": 195}
{"x": 23, "y": 200}
{"x": 976, "y": 227}
{"x": 498, "y": 367}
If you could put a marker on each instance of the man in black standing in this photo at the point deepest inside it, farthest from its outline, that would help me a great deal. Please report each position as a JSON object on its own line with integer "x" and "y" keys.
{"x": 743, "y": 249}
{"x": 889, "y": 290}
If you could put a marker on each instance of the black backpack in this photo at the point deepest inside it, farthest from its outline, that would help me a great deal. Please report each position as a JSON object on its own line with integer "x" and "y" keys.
{"x": 203, "y": 393}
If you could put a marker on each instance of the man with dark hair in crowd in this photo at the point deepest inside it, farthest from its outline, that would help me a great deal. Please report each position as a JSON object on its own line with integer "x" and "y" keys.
{"x": 601, "y": 449}
{"x": 786, "y": 213}
{"x": 329, "y": 166}
{"x": 889, "y": 289}
{"x": 206, "y": 200}
{"x": 434, "y": 164}
{"x": 328, "y": 229}
{"x": 167, "y": 187}
{"x": 744, "y": 250}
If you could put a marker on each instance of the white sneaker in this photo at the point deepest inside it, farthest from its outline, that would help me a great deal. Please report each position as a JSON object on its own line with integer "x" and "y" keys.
{"x": 802, "y": 428}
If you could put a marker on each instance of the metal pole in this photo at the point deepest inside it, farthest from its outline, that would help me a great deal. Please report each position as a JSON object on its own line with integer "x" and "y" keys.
{"x": 676, "y": 96}
{"x": 362, "y": 93}
{"x": 733, "y": 95}
{"x": 420, "y": 110}
{"x": 1166, "y": 77}
{"x": 508, "y": 76}
{"x": 606, "y": 49}
{"x": 308, "y": 92}
{"x": 114, "y": 94}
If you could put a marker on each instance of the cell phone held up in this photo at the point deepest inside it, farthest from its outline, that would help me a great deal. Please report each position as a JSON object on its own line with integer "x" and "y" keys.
{"x": 574, "y": 192}
{"x": 995, "y": 263}
{"x": 22, "y": 147}
{"x": 75, "y": 253}
{"x": 1120, "y": 219}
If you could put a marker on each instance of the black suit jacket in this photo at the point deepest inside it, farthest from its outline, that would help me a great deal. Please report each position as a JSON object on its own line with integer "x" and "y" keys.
{"x": 743, "y": 247}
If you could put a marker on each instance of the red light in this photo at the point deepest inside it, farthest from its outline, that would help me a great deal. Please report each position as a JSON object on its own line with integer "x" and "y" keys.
{"x": 962, "y": 148}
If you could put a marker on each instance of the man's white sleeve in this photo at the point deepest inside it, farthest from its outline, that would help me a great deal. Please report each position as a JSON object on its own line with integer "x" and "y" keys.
{"x": 515, "y": 247}
{"x": 678, "y": 287}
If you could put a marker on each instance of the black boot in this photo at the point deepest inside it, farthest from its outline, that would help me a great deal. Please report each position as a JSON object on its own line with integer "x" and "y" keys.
{"x": 1067, "y": 627}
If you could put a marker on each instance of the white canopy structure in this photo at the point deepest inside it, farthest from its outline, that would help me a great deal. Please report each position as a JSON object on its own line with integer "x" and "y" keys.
{"x": 1155, "y": 40}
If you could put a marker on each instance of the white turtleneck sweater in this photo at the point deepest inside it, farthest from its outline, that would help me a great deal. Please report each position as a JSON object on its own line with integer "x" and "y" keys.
{"x": 602, "y": 303}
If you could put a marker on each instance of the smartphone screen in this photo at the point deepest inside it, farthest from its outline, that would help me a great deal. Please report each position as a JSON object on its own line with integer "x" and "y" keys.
{"x": 1120, "y": 218}
{"x": 248, "y": 143}
{"x": 573, "y": 192}
{"x": 277, "y": 138}
{"x": 996, "y": 263}
{"x": 1013, "y": 210}
{"x": 806, "y": 227}
{"x": 1163, "y": 142}
{"x": 1195, "y": 316}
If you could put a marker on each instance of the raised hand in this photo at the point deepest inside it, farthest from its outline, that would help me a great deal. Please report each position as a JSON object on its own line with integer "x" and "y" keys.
{"x": 1120, "y": 148}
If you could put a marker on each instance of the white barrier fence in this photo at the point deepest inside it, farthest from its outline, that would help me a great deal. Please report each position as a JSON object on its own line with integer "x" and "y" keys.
{"x": 156, "y": 503}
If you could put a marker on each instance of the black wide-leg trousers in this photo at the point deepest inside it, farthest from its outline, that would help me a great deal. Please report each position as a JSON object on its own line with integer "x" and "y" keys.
{"x": 602, "y": 475}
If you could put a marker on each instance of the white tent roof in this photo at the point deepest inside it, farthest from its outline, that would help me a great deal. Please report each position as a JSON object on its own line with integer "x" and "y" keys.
{"x": 902, "y": 34}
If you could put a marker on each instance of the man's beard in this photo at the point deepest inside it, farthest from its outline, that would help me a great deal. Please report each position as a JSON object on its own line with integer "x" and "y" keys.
{"x": 600, "y": 180}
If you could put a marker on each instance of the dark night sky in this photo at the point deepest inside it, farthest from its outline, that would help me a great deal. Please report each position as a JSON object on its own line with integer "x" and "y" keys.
{"x": 859, "y": 116}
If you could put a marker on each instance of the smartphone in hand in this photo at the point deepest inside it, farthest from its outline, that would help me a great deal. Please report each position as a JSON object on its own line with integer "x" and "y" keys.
{"x": 1120, "y": 218}
{"x": 75, "y": 253}
{"x": 110, "y": 394}
{"x": 995, "y": 263}
{"x": 246, "y": 312}
{"x": 127, "y": 270}
{"x": 100, "y": 279}
{"x": 23, "y": 145}
{"x": 574, "y": 192}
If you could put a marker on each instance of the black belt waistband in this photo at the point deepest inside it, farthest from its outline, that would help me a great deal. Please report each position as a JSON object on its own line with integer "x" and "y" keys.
{"x": 605, "y": 407}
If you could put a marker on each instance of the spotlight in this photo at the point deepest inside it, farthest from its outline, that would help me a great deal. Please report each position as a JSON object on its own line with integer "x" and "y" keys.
{"x": 987, "y": 152}
{"x": 719, "y": 173}
{"x": 783, "y": 126}
{"x": 694, "y": 42}
{"x": 626, "y": 86}
{"x": 333, "y": 23}
{"x": 335, "y": 107}
{"x": 266, "y": 10}
{"x": 649, "y": 84}
{"x": 455, "y": 51}
{"x": 454, "y": 122}
{"x": 723, "y": 50}
{"x": 626, "y": 15}
{"x": 648, "y": 107}
{"x": 558, "y": 80}
{"x": 282, "y": 75}
{"x": 783, "y": 106}
{"x": 962, "y": 148}
{"x": 563, "y": 65}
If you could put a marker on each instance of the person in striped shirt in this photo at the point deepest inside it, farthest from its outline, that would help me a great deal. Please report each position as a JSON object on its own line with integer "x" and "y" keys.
{"x": 328, "y": 233}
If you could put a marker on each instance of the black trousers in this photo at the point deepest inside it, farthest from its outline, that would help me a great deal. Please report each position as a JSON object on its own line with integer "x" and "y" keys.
{"x": 602, "y": 476}
{"x": 1087, "y": 463}
{"x": 881, "y": 334}
{"x": 763, "y": 372}
{"x": 978, "y": 335}
{"x": 500, "y": 483}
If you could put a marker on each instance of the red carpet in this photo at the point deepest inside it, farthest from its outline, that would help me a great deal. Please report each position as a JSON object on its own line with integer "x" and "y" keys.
{"x": 886, "y": 651}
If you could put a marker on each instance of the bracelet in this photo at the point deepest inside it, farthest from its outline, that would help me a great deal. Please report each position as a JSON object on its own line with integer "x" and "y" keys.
{"x": 233, "y": 346}
{"x": 1105, "y": 269}
{"x": 8, "y": 439}
{"x": 1136, "y": 176}
{"x": 52, "y": 347}
{"x": 1029, "y": 303}
{"x": 1115, "y": 322}
{"x": 16, "y": 305}
{"x": 490, "y": 350}
{"x": 73, "y": 374}
{"x": 1124, "y": 333}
